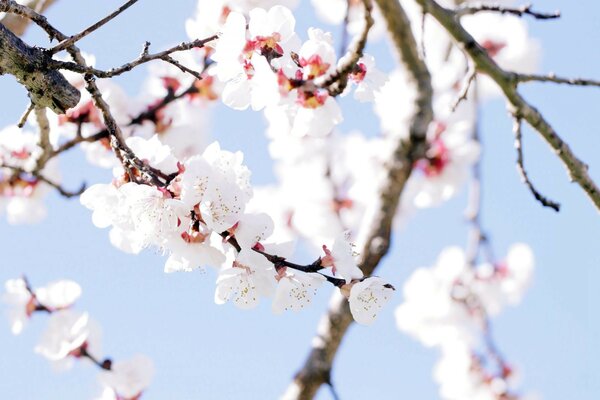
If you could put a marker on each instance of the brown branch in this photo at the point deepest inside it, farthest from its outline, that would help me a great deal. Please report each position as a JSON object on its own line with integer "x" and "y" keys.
{"x": 335, "y": 323}
{"x": 75, "y": 38}
{"x": 23, "y": 119}
{"x": 338, "y": 80}
{"x": 143, "y": 58}
{"x": 557, "y": 79}
{"x": 18, "y": 24}
{"x": 469, "y": 9}
{"x": 507, "y": 81}
{"x": 521, "y": 168}
{"x": 38, "y": 175}
{"x": 46, "y": 87}
{"x": 464, "y": 92}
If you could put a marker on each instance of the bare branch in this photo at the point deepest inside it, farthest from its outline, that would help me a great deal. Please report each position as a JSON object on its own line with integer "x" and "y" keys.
{"x": 507, "y": 81}
{"x": 521, "y": 168}
{"x": 334, "y": 324}
{"x": 144, "y": 57}
{"x": 75, "y": 38}
{"x": 17, "y": 24}
{"x": 557, "y": 79}
{"x": 469, "y": 9}
{"x": 464, "y": 92}
{"x": 64, "y": 192}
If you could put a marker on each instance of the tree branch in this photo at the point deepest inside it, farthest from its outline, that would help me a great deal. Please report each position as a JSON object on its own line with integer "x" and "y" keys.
{"x": 17, "y": 24}
{"x": 75, "y": 38}
{"x": 335, "y": 323}
{"x": 46, "y": 87}
{"x": 521, "y": 168}
{"x": 508, "y": 81}
{"x": 469, "y": 9}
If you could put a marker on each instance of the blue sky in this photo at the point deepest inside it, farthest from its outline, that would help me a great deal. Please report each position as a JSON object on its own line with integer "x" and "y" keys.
{"x": 202, "y": 350}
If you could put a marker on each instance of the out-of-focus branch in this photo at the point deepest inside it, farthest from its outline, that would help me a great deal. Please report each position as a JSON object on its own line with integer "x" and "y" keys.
{"x": 470, "y": 8}
{"x": 508, "y": 82}
{"x": 517, "y": 129}
{"x": 18, "y": 24}
{"x": 557, "y": 79}
{"x": 335, "y": 323}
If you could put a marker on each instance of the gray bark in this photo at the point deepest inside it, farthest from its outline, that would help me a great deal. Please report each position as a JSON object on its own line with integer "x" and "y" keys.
{"x": 47, "y": 88}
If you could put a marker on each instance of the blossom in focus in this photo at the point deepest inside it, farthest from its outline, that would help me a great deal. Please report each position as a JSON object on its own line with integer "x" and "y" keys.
{"x": 295, "y": 291}
{"x": 368, "y": 297}
{"x": 342, "y": 259}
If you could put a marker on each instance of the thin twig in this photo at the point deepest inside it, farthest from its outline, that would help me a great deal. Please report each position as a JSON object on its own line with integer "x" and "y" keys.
{"x": 23, "y": 119}
{"x": 508, "y": 82}
{"x": 38, "y": 175}
{"x": 557, "y": 79}
{"x": 144, "y": 57}
{"x": 75, "y": 38}
{"x": 517, "y": 129}
{"x": 470, "y": 9}
{"x": 464, "y": 92}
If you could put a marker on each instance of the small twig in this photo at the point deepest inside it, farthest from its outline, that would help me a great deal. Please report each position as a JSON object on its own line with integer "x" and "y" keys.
{"x": 75, "y": 38}
{"x": 25, "y": 115}
{"x": 182, "y": 67}
{"x": 144, "y": 57}
{"x": 470, "y": 9}
{"x": 521, "y": 78}
{"x": 65, "y": 193}
{"x": 521, "y": 168}
{"x": 464, "y": 92}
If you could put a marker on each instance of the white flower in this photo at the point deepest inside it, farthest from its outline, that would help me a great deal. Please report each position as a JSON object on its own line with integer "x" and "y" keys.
{"x": 295, "y": 291}
{"x": 21, "y": 303}
{"x": 429, "y": 313}
{"x": 21, "y": 194}
{"x": 367, "y": 298}
{"x": 219, "y": 183}
{"x": 54, "y": 296}
{"x": 341, "y": 258}
{"x": 253, "y": 228}
{"x": 66, "y": 333}
{"x": 251, "y": 277}
{"x": 128, "y": 378}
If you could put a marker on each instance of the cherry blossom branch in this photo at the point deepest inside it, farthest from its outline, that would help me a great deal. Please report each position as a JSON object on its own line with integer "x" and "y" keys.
{"x": 338, "y": 80}
{"x": 333, "y": 326}
{"x": 75, "y": 38}
{"x": 469, "y": 9}
{"x": 508, "y": 82}
{"x": 517, "y": 129}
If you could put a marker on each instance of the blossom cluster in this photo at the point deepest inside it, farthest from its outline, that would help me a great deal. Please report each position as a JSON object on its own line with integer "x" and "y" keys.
{"x": 198, "y": 217}
{"x": 72, "y": 335}
{"x": 449, "y": 306}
